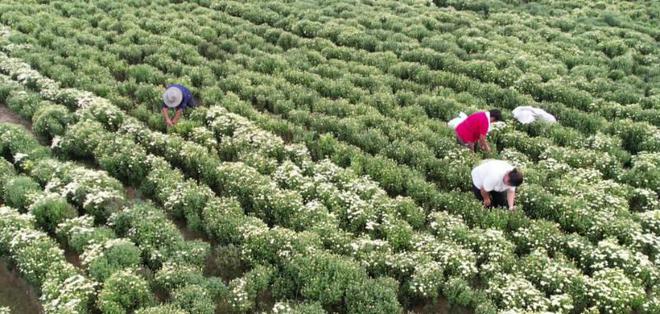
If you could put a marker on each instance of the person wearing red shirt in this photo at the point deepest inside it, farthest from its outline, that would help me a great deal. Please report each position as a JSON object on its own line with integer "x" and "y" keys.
{"x": 475, "y": 128}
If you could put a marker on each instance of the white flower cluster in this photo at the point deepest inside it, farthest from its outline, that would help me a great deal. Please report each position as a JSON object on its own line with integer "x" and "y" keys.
{"x": 237, "y": 131}
{"x": 95, "y": 251}
{"x": 282, "y": 308}
{"x": 451, "y": 256}
{"x": 68, "y": 296}
{"x": 553, "y": 275}
{"x": 514, "y": 292}
{"x": 427, "y": 279}
{"x": 41, "y": 261}
{"x": 651, "y": 221}
{"x": 516, "y": 158}
{"x": 11, "y": 222}
{"x": 445, "y": 225}
{"x": 91, "y": 189}
{"x": 609, "y": 254}
{"x": 239, "y": 298}
{"x": 602, "y": 142}
{"x": 613, "y": 292}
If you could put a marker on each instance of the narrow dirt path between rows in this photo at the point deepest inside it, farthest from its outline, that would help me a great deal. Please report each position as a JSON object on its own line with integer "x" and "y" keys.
{"x": 7, "y": 116}
{"x": 16, "y": 293}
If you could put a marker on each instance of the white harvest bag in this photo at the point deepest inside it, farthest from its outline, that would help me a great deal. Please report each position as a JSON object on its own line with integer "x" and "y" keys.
{"x": 529, "y": 114}
{"x": 453, "y": 123}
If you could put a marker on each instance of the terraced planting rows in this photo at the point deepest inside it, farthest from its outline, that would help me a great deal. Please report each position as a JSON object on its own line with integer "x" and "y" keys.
{"x": 322, "y": 158}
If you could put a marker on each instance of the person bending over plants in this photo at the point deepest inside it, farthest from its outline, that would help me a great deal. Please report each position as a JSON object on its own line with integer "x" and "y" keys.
{"x": 475, "y": 127}
{"x": 494, "y": 183}
{"x": 176, "y": 97}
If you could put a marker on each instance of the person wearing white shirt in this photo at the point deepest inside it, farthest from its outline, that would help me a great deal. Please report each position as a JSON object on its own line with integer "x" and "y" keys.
{"x": 494, "y": 183}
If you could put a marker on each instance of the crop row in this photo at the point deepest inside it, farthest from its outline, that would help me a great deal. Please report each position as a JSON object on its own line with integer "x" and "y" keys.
{"x": 354, "y": 28}
{"x": 632, "y": 139}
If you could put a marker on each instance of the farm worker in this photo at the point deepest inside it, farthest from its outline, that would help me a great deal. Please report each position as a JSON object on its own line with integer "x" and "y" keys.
{"x": 475, "y": 128}
{"x": 494, "y": 183}
{"x": 179, "y": 97}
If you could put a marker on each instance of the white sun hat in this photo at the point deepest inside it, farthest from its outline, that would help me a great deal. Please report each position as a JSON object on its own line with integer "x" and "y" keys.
{"x": 172, "y": 97}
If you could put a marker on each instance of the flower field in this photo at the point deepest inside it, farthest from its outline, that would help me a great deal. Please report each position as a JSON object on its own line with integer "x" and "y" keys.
{"x": 319, "y": 174}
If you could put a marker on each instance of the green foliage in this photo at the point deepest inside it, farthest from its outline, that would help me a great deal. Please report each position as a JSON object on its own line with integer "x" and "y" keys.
{"x": 50, "y": 210}
{"x": 124, "y": 292}
{"x": 113, "y": 256}
{"x": 50, "y": 121}
{"x": 194, "y": 299}
{"x": 20, "y": 192}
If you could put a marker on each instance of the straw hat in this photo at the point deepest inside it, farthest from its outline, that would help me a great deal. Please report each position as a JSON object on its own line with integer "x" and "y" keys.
{"x": 172, "y": 97}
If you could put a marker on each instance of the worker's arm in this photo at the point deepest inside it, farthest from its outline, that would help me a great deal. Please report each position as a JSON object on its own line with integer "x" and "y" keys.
{"x": 177, "y": 115}
{"x": 483, "y": 143}
{"x": 510, "y": 197}
{"x": 486, "y": 196}
{"x": 166, "y": 116}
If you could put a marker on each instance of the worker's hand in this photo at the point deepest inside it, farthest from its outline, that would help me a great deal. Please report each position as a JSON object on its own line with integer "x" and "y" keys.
{"x": 169, "y": 123}
{"x": 512, "y": 208}
{"x": 486, "y": 202}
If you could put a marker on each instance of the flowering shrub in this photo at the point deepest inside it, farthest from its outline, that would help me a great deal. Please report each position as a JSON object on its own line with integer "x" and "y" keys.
{"x": 554, "y": 276}
{"x": 645, "y": 171}
{"x": 243, "y": 291}
{"x": 20, "y": 192}
{"x": 651, "y": 221}
{"x": 42, "y": 263}
{"x": 223, "y": 220}
{"x": 50, "y": 121}
{"x": 513, "y": 292}
{"x": 301, "y": 308}
{"x": 277, "y": 245}
{"x": 6, "y": 172}
{"x": 539, "y": 234}
{"x": 73, "y": 294}
{"x": 156, "y": 236}
{"x": 613, "y": 292}
{"x": 373, "y": 296}
{"x": 50, "y": 210}
{"x": 174, "y": 276}
{"x": 124, "y": 292}
{"x": 94, "y": 191}
{"x": 79, "y": 232}
{"x": 194, "y": 299}
{"x": 105, "y": 258}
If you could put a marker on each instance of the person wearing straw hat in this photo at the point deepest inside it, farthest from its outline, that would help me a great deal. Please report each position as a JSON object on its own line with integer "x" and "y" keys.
{"x": 177, "y": 97}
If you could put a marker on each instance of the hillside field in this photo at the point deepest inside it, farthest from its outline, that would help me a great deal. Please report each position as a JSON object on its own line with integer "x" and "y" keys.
{"x": 318, "y": 174}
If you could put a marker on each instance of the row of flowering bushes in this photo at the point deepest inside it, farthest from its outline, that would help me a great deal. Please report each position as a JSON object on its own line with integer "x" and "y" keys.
{"x": 156, "y": 74}
{"x": 111, "y": 255}
{"x": 106, "y": 112}
{"x": 41, "y": 262}
{"x": 113, "y": 117}
{"x": 444, "y": 52}
{"x": 430, "y": 168}
{"x": 438, "y": 167}
{"x": 468, "y": 51}
{"x": 110, "y": 160}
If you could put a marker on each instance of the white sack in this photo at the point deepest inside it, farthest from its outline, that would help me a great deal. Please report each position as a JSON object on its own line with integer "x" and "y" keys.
{"x": 529, "y": 114}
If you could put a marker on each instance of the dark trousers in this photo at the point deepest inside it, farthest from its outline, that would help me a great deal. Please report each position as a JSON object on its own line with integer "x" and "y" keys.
{"x": 497, "y": 199}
